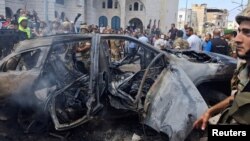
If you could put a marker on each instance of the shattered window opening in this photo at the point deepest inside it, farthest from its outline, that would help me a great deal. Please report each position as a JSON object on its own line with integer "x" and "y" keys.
{"x": 24, "y": 61}
{"x": 128, "y": 61}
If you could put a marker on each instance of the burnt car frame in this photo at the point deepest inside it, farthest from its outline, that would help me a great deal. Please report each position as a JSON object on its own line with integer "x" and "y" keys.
{"x": 167, "y": 88}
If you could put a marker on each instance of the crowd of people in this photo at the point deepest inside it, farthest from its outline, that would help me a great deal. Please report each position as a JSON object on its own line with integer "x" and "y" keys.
{"x": 29, "y": 25}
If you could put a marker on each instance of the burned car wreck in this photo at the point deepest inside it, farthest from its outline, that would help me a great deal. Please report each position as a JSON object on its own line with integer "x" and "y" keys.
{"x": 168, "y": 89}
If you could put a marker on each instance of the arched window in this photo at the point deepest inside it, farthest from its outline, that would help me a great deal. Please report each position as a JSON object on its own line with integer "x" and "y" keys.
{"x": 116, "y": 4}
{"x": 141, "y": 7}
{"x": 103, "y": 21}
{"x": 8, "y": 13}
{"x": 110, "y": 3}
{"x": 136, "y": 6}
{"x": 115, "y": 23}
{"x": 104, "y": 4}
{"x": 130, "y": 7}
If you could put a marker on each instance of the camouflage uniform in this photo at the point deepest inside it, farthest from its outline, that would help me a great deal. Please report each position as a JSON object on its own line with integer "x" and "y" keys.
{"x": 240, "y": 77}
{"x": 115, "y": 50}
{"x": 232, "y": 47}
{"x": 84, "y": 57}
{"x": 180, "y": 43}
{"x": 239, "y": 111}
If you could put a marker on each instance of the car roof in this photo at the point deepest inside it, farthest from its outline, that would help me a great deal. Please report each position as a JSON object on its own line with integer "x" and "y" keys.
{"x": 47, "y": 41}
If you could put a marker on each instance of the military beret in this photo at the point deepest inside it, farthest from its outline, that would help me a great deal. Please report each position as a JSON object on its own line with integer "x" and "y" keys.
{"x": 228, "y": 31}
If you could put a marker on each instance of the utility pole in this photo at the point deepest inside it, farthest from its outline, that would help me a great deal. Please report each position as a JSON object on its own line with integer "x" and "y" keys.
{"x": 46, "y": 10}
{"x": 186, "y": 12}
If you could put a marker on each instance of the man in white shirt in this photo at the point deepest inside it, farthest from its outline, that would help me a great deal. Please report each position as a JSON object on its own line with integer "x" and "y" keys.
{"x": 159, "y": 42}
{"x": 194, "y": 41}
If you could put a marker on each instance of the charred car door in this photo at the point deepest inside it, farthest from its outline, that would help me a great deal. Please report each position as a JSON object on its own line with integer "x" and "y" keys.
{"x": 72, "y": 67}
{"x": 19, "y": 71}
{"x": 173, "y": 103}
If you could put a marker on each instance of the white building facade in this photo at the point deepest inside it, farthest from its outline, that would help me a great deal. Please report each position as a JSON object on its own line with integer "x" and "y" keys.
{"x": 134, "y": 13}
{"x": 46, "y": 9}
{"x": 232, "y": 25}
{"x": 112, "y": 13}
{"x": 187, "y": 16}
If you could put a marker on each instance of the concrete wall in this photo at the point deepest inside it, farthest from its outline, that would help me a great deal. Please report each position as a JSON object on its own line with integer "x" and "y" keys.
{"x": 70, "y": 8}
{"x": 14, "y": 5}
{"x": 170, "y": 17}
{"x": 153, "y": 11}
{"x": 2, "y": 7}
{"x": 73, "y": 7}
{"x": 163, "y": 10}
{"x": 201, "y": 16}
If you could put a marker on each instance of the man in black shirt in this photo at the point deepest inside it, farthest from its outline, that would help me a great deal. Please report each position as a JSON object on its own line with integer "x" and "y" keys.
{"x": 219, "y": 45}
{"x": 172, "y": 32}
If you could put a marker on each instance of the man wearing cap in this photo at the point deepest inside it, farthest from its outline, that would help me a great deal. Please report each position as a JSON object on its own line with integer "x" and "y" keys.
{"x": 229, "y": 36}
{"x": 23, "y": 29}
{"x": 238, "y": 104}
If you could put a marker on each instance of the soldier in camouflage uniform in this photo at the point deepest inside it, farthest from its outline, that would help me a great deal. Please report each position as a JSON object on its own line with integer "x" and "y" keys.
{"x": 179, "y": 42}
{"x": 83, "y": 56}
{"x": 115, "y": 47}
{"x": 238, "y": 104}
{"x": 229, "y": 35}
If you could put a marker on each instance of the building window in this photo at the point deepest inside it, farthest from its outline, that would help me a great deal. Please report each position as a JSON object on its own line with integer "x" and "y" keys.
{"x": 103, "y": 21}
{"x": 218, "y": 24}
{"x": 115, "y": 23}
{"x": 62, "y": 16}
{"x": 136, "y": 6}
{"x": 180, "y": 16}
{"x": 116, "y": 4}
{"x": 56, "y": 14}
{"x": 141, "y": 7}
{"x": 8, "y": 13}
{"x": 110, "y": 3}
{"x": 60, "y": 2}
{"x": 104, "y": 5}
{"x": 130, "y": 7}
